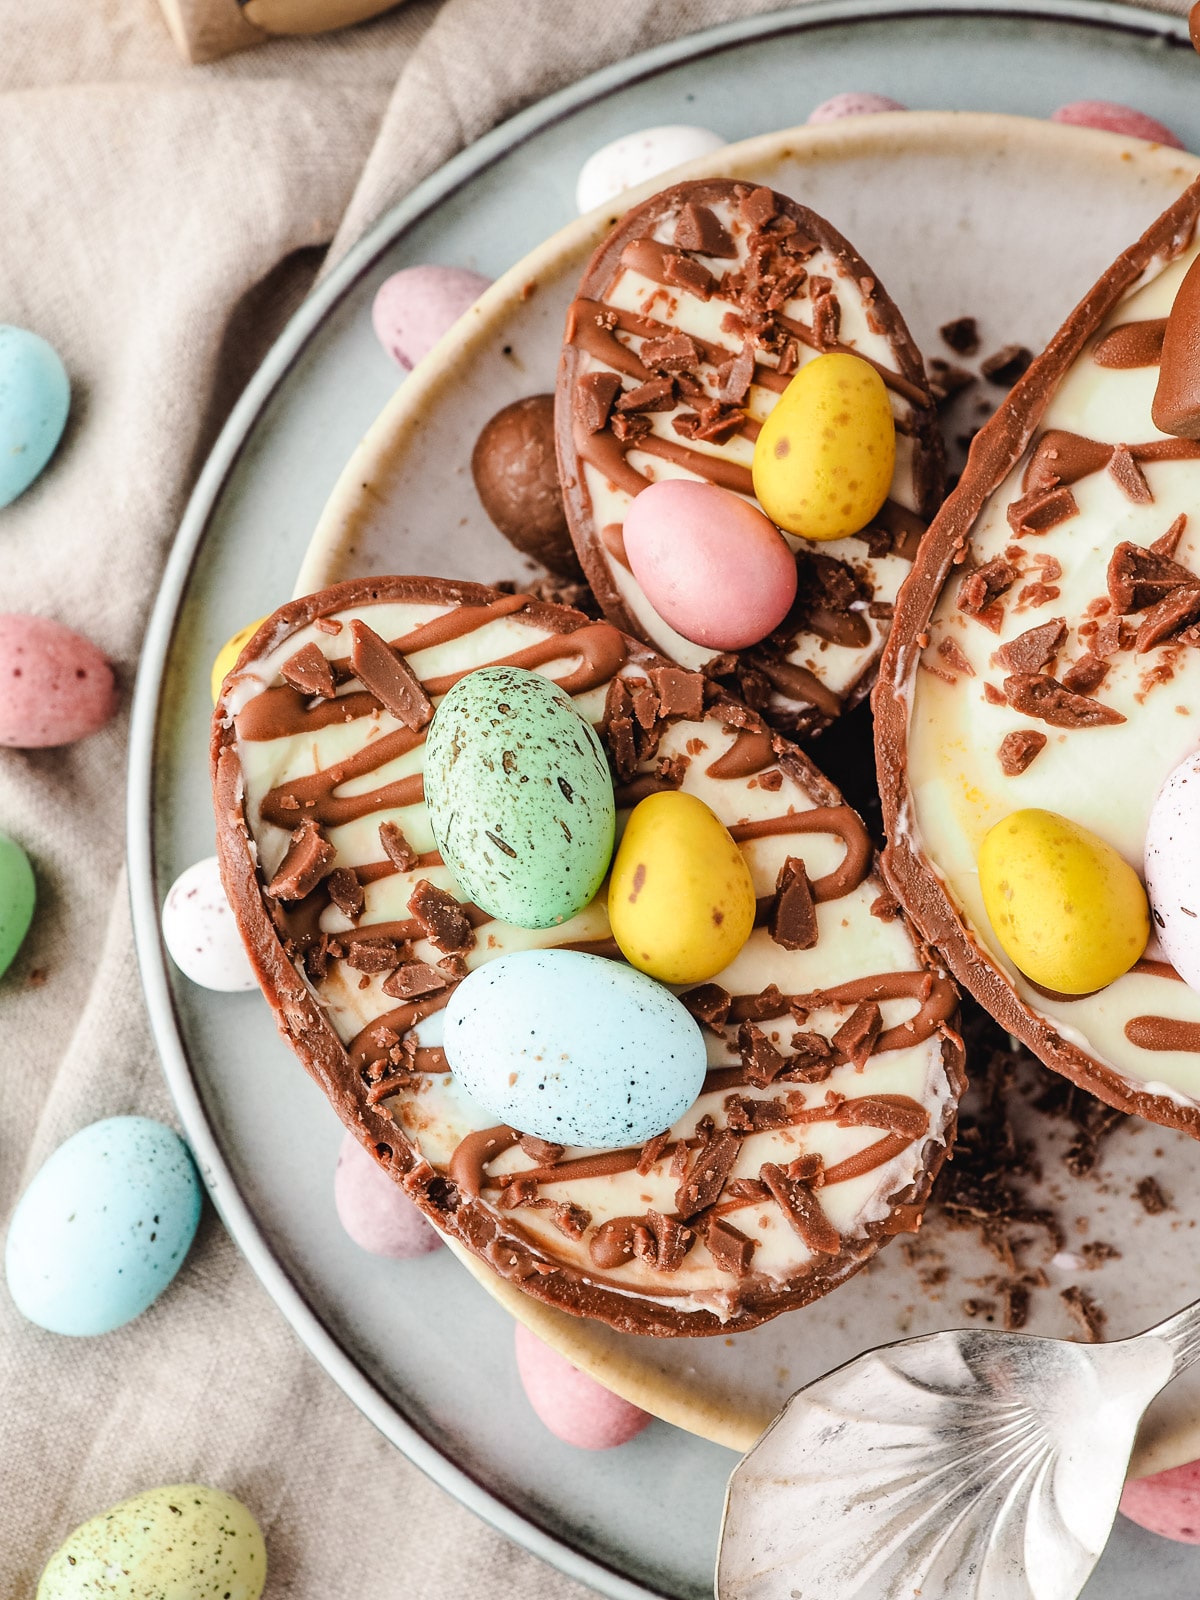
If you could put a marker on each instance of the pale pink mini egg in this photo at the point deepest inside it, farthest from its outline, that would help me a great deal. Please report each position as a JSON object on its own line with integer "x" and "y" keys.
{"x": 711, "y": 564}
{"x": 1167, "y": 1503}
{"x": 1110, "y": 117}
{"x": 853, "y": 103}
{"x": 574, "y": 1407}
{"x": 375, "y": 1211}
{"x": 414, "y": 307}
{"x": 55, "y": 686}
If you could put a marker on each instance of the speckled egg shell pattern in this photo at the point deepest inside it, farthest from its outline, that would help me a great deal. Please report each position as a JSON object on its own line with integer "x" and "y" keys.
{"x": 519, "y": 796}
{"x": 833, "y": 1070}
{"x": 1040, "y": 658}
{"x": 690, "y": 321}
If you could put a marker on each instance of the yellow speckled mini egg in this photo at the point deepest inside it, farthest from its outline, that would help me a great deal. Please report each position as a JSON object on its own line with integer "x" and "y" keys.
{"x": 824, "y": 460}
{"x": 227, "y": 655}
{"x": 680, "y": 899}
{"x": 1068, "y": 911}
{"x": 182, "y": 1542}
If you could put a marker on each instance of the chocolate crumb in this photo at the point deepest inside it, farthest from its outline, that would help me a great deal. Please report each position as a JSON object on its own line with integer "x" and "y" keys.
{"x": 345, "y": 891}
{"x": 1035, "y": 648}
{"x": 308, "y": 854}
{"x": 542, "y": 1151}
{"x": 1006, "y": 365}
{"x": 414, "y": 979}
{"x": 802, "y": 1209}
{"x": 962, "y": 335}
{"x": 1019, "y": 749}
{"x": 700, "y": 229}
{"x": 1150, "y": 1195}
{"x": 708, "y": 1175}
{"x": 729, "y": 1247}
{"x": 761, "y": 1062}
{"x": 1090, "y": 1317}
{"x": 709, "y": 1004}
{"x": 1086, "y": 675}
{"x": 1036, "y": 695}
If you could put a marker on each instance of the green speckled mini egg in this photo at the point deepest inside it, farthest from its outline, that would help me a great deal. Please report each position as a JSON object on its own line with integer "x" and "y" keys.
{"x": 520, "y": 796}
{"x": 183, "y": 1542}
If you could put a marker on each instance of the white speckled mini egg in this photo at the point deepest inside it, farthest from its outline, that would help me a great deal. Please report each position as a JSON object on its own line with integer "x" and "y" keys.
{"x": 103, "y": 1227}
{"x": 635, "y": 157}
{"x": 200, "y": 932}
{"x": 520, "y": 796}
{"x": 574, "y": 1048}
{"x": 1173, "y": 868}
{"x": 181, "y": 1542}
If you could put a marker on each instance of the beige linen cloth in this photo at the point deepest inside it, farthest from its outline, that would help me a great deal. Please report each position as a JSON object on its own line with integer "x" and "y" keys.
{"x": 157, "y": 224}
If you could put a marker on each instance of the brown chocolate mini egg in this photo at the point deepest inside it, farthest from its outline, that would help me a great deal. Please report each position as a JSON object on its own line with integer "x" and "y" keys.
{"x": 516, "y": 477}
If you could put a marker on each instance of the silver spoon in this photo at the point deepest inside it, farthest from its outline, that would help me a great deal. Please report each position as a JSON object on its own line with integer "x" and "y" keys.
{"x": 954, "y": 1466}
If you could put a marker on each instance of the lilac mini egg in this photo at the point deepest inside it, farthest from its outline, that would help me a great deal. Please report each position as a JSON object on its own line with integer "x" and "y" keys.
{"x": 710, "y": 563}
{"x": 55, "y": 686}
{"x": 1110, "y": 117}
{"x": 574, "y": 1407}
{"x": 853, "y": 103}
{"x": 415, "y": 307}
{"x": 375, "y": 1211}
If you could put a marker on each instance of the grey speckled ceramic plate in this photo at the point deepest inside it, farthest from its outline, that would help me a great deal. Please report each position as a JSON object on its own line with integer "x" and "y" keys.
{"x": 419, "y": 1346}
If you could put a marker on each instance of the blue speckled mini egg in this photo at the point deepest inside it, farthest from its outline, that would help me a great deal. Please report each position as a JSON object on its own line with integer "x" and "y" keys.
{"x": 35, "y": 396}
{"x": 574, "y": 1048}
{"x": 103, "y": 1227}
{"x": 520, "y": 796}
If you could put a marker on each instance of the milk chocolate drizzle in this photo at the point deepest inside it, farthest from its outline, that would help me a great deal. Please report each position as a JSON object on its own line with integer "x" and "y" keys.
{"x": 617, "y": 449}
{"x": 592, "y": 653}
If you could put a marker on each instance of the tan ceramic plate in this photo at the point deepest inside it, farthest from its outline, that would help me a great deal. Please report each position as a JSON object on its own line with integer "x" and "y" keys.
{"x": 1002, "y": 218}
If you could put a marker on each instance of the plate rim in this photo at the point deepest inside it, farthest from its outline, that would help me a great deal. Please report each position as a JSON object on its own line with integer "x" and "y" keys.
{"x": 147, "y": 705}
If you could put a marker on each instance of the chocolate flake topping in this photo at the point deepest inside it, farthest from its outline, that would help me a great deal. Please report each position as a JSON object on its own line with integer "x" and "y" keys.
{"x": 1090, "y": 1317}
{"x": 651, "y": 1151}
{"x": 803, "y": 1210}
{"x": 761, "y": 1062}
{"x": 674, "y": 352}
{"x": 856, "y": 1037}
{"x": 729, "y": 1247}
{"x": 1035, "y": 648}
{"x": 812, "y": 1059}
{"x": 1172, "y": 613}
{"x": 709, "y": 1004}
{"x": 442, "y": 919}
{"x": 708, "y": 1175}
{"x": 1041, "y": 510}
{"x": 662, "y": 1242}
{"x": 1036, "y": 695}
{"x": 310, "y": 672}
{"x": 656, "y": 394}
{"x": 345, "y": 891}
{"x": 702, "y": 230}
{"x": 372, "y": 955}
{"x": 1139, "y": 578}
{"x": 396, "y": 847}
{"x": 1088, "y": 673}
{"x": 793, "y": 923}
{"x": 1167, "y": 543}
{"x": 414, "y": 979}
{"x": 596, "y": 393}
{"x": 388, "y": 677}
{"x": 542, "y": 1151}
{"x": 680, "y": 693}
{"x": 986, "y": 584}
{"x": 1019, "y": 749}
{"x": 1129, "y": 476}
{"x": 1150, "y": 1196}
{"x": 308, "y": 854}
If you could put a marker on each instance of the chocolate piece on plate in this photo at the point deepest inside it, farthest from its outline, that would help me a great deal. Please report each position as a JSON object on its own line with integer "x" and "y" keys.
{"x": 676, "y": 1235}
{"x": 1085, "y": 694}
{"x": 673, "y": 359}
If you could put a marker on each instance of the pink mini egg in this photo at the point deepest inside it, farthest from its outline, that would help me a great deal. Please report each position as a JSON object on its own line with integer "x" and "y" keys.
{"x": 375, "y": 1211}
{"x": 55, "y": 686}
{"x": 414, "y": 308}
{"x": 574, "y": 1407}
{"x": 1167, "y": 1503}
{"x": 1112, "y": 118}
{"x": 711, "y": 564}
{"x": 853, "y": 103}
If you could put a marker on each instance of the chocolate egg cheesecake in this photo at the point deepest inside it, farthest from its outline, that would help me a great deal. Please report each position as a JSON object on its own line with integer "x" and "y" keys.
{"x": 1042, "y": 684}
{"x": 829, "y": 1071}
{"x": 691, "y": 321}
